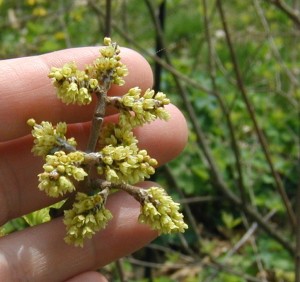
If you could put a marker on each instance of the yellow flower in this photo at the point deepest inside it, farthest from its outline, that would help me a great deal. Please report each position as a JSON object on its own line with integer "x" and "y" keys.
{"x": 117, "y": 134}
{"x": 123, "y": 164}
{"x": 161, "y": 212}
{"x": 47, "y": 137}
{"x": 108, "y": 67}
{"x": 39, "y": 12}
{"x": 146, "y": 108}
{"x": 60, "y": 35}
{"x": 87, "y": 216}
{"x": 31, "y": 2}
{"x": 59, "y": 169}
{"x": 73, "y": 85}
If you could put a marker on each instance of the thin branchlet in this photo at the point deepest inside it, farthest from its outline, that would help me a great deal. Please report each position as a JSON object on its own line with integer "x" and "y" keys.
{"x": 112, "y": 160}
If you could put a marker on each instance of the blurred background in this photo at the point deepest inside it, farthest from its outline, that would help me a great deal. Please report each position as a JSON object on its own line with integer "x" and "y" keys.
{"x": 233, "y": 68}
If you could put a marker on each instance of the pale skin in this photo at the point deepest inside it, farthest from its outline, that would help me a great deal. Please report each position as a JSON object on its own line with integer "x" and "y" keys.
{"x": 40, "y": 253}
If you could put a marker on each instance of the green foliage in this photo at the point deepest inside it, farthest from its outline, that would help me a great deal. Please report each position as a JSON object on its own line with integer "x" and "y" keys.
{"x": 229, "y": 221}
{"x": 42, "y": 215}
{"x": 12, "y": 226}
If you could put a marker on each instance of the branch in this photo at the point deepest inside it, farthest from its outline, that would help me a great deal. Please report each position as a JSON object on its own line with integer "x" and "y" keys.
{"x": 120, "y": 270}
{"x": 293, "y": 15}
{"x": 297, "y": 255}
{"x": 159, "y": 48}
{"x": 250, "y": 109}
{"x": 97, "y": 120}
{"x": 107, "y": 27}
{"x": 273, "y": 47}
{"x": 216, "y": 176}
{"x": 200, "y": 264}
{"x": 224, "y": 108}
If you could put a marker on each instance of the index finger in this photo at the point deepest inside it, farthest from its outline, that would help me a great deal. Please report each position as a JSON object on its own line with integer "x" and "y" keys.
{"x": 26, "y": 90}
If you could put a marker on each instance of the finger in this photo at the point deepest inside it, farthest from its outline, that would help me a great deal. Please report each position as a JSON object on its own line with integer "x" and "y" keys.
{"x": 40, "y": 253}
{"x": 26, "y": 90}
{"x": 90, "y": 276}
{"x": 18, "y": 168}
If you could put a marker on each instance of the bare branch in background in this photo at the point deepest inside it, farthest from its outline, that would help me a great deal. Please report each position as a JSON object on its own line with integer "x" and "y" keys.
{"x": 259, "y": 133}
{"x": 216, "y": 175}
{"x": 224, "y": 108}
{"x": 272, "y": 44}
{"x": 108, "y": 17}
{"x": 290, "y": 12}
{"x": 297, "y": 255}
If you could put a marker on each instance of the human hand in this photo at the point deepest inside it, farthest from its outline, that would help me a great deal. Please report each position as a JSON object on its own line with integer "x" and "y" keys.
{"x": 40, "y": 253}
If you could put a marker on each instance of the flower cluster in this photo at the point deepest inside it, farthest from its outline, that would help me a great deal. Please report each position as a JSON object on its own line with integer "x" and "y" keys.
{"x": 146, "y": 108}
{"x": 123, "y": 164}
{"x": 47, "y": 137}
{"x": 59, "y": 170}
{"x": 75, "y": 86}
{"x": 115, "y": 164}
{"x": 161, "y": 212}
{"x": 108, "y": 67}
{"x": 87, "y": 216}
{"x": 117, "y": 134}
{"x": 122, "y": 158}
